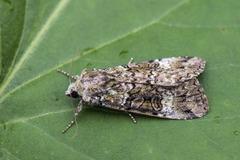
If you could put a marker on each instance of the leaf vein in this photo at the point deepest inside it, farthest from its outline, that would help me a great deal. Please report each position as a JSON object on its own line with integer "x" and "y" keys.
{"x": 100, "y": 46}
{"x": 56, "y": 140}
{"x": 38, "y": 38}
{"x": 34, "y": 117}
{"x": 5, "y": 150}
{"x": 198, "y": 25}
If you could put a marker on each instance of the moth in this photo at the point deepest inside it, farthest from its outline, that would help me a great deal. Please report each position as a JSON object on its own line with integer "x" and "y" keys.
{"x": 165, "y": 88}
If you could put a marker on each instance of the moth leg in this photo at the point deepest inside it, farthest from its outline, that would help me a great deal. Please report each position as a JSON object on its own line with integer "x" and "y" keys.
{"x": 129, "y": 63}
{"x": 131, "y": 116}
{"x": 79, "y": 108}
{"x": 67, "y": 74}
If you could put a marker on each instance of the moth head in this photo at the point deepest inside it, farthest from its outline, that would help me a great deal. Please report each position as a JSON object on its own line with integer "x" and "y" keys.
{"x": 73, "y": 91}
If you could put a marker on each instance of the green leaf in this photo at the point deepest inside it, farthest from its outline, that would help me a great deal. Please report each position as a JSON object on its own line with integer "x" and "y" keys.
{"x": 12, "y": 21}
{"x": 38, "y": 37}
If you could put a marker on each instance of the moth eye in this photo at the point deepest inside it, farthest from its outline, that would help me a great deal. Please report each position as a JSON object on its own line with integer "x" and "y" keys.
{"x": 74, "y": 94}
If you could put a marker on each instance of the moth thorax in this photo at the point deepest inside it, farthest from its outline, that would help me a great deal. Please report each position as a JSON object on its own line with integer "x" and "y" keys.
{"x": 73, "y": 91}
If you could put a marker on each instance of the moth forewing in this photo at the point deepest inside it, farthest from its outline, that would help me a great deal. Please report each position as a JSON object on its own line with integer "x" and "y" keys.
{"x": 165, "y": 88}
{"x": 165, "y": 72}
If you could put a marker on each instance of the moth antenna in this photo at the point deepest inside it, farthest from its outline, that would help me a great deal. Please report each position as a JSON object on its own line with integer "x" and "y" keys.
{"x": 71, "y": 123}
{"x": 67, "y": 74}
{"x": 80, "y": 103}
{"x": 70, "y": 69}
{"x": 79, "y": 108}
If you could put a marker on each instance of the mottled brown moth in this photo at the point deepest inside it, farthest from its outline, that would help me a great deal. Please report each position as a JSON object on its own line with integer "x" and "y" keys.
{"x": 165, "y": 88}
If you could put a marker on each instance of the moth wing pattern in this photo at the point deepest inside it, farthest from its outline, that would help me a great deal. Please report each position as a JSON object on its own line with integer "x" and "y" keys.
{"x": 186, "y": 101}
{"x": 166, "y": 71}
{"x": 135, "y": 88}
{"x": 166, "y": 88}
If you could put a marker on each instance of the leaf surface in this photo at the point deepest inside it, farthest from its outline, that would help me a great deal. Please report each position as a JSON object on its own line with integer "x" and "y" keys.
{"x": 38, "y": 37}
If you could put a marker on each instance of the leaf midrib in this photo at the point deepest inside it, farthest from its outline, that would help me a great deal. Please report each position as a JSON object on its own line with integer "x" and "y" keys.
{"x": 38, "y": 38}
{"x": 30, "y": 49}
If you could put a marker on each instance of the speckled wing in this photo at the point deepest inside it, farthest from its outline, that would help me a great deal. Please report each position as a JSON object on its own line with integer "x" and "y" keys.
{"x": 186, "y": 101}
{"x": 165, "y": 72}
